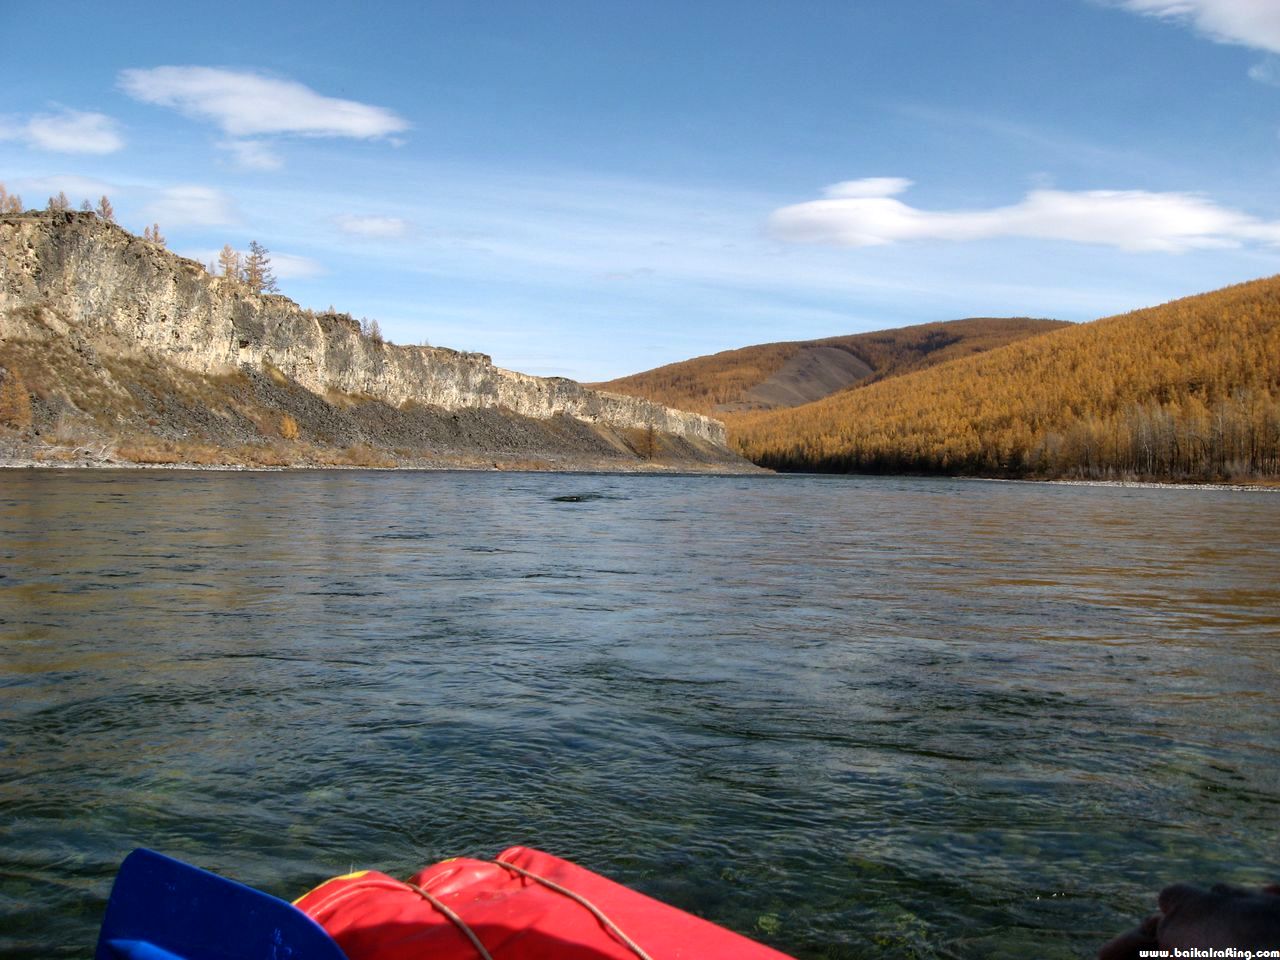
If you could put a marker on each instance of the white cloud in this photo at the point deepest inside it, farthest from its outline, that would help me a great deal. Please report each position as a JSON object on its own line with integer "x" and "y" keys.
{"x": 1128, "y": 219}
{"x": 252, "y": 154}
{"x": 191, "y": 206}
{"x": 247, "y": 104}
{"x": 867, "y": 187}
{"x": 68, "y": 131}
{"x": 291, "y": 266}
{"x": 1268, "y": 72}
{"x": 377, "y": 228}
{"x": 83, "y": 187}
{"x": 1249, "y": 23}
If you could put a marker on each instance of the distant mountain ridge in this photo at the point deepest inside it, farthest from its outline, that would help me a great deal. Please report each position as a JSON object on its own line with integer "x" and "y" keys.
{"x": 792, "y": 373}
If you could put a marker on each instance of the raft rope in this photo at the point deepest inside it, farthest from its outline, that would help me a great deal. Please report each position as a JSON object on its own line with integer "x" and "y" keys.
{"x": 581, "y": 901}
{"x": 457, "y": 920}
{"x": 577, "y": 898}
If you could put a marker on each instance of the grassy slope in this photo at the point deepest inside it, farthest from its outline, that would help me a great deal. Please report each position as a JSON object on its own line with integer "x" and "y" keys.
{"x": 1187, "y": 389}
{"x": 704, "y": 383}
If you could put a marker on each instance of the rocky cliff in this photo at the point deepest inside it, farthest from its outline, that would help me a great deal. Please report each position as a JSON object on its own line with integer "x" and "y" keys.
{"x": 84, "y": 302}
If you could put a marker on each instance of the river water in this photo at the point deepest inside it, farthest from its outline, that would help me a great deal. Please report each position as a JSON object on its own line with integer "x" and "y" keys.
{"x": 849, "y": 717}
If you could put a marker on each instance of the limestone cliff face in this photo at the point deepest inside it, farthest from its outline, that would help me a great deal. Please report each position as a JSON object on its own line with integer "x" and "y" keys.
{"x": 98, "y": 279}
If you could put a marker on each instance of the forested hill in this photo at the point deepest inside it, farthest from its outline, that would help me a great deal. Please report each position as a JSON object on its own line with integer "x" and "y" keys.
{"x": 775, "y": 375}
{"x": 1187, "y": 390}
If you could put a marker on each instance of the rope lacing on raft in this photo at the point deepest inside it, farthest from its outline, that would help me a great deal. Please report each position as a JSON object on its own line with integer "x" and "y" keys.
{"x": 456, "y": 920}
{"x": 550, "y": 885}
{"x": 583, "y": 901}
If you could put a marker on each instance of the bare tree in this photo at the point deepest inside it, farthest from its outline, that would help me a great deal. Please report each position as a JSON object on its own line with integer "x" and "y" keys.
{"x": 371, "y": 329}
{"x": 229, "y": 262}
{"x": 105, "y": 210}
{"x": 256, "y": 269}
{"x": 60, "y": 203}
{"x": 153, "y": 234}
{"x": 9, "y": 202}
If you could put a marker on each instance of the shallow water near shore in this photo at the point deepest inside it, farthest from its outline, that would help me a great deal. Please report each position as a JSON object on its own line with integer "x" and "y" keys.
{"x": 850, "y": 717}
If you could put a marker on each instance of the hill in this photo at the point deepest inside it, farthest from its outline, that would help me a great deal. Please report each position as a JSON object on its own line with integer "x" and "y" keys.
{"x": 776, "y": 375}
{"x": 1187, "y": 390}
{"x": 114, "y": 349}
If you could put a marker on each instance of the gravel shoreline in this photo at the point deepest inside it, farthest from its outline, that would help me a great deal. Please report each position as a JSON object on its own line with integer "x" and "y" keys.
{"x": 498, "y": 466}
{"x": 1265, "y": 487}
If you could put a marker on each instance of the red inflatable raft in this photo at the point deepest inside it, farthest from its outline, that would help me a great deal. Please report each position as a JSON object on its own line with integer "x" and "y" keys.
{"x": 525, "y": 905}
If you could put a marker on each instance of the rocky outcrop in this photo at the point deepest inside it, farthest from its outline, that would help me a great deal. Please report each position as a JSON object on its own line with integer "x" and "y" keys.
{"x": 113, "y": 290}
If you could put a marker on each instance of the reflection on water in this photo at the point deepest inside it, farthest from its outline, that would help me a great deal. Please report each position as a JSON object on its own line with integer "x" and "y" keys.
{"x": 851, "y": 717}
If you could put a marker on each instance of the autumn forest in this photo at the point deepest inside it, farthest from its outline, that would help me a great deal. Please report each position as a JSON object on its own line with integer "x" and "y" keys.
{"x": 1186, "y": 391}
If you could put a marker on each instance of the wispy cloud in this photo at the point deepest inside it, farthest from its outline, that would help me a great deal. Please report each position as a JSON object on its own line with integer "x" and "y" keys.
{"x": 373, "y": 227}
{"x": 191, "y": 206}
{"x": 291, "y": 266}
{"x": 247, "y": 104}
{"x": 1268, "y": 72}
{"x": 863, "y": 213}
{"x": 1249, "y": 23}
{"x": 252, "y": 154}
{"x": 87, "y": 188}
{"x": 68, "y": 131}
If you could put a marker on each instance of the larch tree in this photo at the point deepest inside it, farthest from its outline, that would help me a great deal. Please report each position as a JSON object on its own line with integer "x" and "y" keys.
{"x": 229, "y": 262}
{"x": 104, "y": 209}
{"x": 256, "y": 270}
{"x": 9, "y": 202}
{"x": 60, "y": 203}
{"x": 153, "y": 234}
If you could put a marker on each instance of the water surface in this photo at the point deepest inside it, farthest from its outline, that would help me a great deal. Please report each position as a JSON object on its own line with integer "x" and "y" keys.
{"x": 850, "y": 717}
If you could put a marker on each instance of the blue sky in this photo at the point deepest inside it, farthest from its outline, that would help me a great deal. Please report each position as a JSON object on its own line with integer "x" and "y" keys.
{"x": 593, "y": 188}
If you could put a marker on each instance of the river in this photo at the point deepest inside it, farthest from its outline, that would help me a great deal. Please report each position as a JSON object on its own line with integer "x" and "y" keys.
{"x": 850, "y": 717}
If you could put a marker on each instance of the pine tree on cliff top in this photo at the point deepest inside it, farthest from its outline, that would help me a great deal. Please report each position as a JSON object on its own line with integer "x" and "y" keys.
{"x": 257, "y": 269}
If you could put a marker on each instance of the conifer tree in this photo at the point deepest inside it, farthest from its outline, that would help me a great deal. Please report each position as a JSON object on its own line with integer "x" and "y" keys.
{"x": 256, "y": 270}
{"x": 105, "y": 211}
{"x": 229, "y": 262}
{"x": 60, "y": 203}
{"x": 153, "y": 234}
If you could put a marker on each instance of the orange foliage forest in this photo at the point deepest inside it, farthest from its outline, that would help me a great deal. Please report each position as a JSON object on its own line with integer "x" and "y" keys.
{"x": 1187, "y": 390}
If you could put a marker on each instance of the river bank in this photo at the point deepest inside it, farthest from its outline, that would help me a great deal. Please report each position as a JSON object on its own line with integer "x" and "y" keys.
{"x": 70, "y": 457}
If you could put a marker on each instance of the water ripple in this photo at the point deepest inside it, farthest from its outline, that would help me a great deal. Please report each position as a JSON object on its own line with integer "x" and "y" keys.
{"x": 854, "y": 718}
